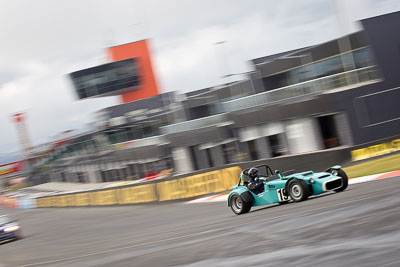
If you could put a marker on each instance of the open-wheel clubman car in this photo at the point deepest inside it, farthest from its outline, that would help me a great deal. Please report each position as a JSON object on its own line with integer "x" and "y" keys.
{"x": 260, "y": 186}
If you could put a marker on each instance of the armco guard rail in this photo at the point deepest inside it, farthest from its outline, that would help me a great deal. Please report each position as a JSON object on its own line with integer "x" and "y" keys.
{"x": 186, "y": 187}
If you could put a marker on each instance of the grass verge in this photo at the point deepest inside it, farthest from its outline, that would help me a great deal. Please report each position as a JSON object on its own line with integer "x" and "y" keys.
{"x": 387, "y": 164}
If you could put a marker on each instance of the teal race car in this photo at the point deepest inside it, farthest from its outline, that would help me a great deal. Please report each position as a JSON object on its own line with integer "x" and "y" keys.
{"x": 259, "y": 186}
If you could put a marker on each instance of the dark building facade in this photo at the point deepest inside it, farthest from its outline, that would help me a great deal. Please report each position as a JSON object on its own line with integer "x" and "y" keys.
{"x": 341, "y": 93}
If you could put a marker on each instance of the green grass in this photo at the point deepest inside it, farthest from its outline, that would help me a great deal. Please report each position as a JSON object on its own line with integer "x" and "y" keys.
{"x": 386, "y": 164}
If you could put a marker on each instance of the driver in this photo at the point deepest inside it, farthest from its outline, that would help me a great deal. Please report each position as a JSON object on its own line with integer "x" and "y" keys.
{"x": 255, "y": 185}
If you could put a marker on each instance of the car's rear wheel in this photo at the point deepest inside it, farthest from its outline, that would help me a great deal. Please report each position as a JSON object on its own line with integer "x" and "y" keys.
{"x": 238, "y": 205}
{"x": 298, "y": 190}
{"x": 345, "y": 179}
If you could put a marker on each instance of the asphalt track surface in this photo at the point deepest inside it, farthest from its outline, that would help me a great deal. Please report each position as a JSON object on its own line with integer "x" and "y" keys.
{"x": 358, "y": 227}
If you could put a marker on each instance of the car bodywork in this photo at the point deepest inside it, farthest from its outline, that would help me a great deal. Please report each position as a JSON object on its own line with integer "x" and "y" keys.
{"x": 276, "y": 186}
{"x": 9, "y": 229}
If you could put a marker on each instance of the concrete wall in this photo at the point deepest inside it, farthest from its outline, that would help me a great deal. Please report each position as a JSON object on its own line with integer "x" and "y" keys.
{"x": 302, "y": 135}
{"x": 182, "y": 162}
{"x": 343, "y": 129}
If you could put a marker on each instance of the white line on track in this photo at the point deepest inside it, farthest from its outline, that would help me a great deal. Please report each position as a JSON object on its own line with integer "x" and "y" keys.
{"x": 191, "y": 235}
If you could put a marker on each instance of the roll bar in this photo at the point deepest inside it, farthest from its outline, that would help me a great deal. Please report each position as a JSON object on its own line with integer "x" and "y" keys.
{"x": 245, "y": 171}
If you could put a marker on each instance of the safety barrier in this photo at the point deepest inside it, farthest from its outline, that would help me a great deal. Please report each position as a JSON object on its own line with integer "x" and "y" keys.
{"x": 375, "y": 150}
{"x": 195, "y": 185}
{"x": 201, "y": 184}
{"x": 10, "y": 202}
{"x": 137, "y": 194}
{"x": 18, "y": 202}
{"x": 26, "y": 203}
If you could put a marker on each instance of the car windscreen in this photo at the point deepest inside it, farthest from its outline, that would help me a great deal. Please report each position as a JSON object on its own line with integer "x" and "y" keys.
{"x": 264, "y": 171}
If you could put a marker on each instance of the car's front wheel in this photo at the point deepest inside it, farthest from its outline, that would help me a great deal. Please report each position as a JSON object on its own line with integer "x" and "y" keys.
{"x": 345, "y": 179}
{"x": 238, "y": 205}
{"x": 298, "y": 190}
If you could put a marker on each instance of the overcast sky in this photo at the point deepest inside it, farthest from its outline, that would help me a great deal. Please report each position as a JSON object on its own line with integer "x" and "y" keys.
{"x": 42, "y": 41}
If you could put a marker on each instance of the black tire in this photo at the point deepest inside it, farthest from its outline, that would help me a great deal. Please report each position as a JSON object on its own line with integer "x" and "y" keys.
{"x": 238, "y": 205}
{"x": 298, "y": 190}
{"x": 345, "y": 179}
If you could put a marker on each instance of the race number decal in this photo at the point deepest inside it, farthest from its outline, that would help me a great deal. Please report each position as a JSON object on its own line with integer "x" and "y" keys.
{"x": 281, "y": 196}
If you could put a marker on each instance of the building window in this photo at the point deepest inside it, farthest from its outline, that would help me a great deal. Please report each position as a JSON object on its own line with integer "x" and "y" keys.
{"x": 193, "y": 157}
{"x": 63, "y": 177}
{"x": 276, "y": 145}
{"x": 140, "y": 168}
{"x": 362, "y": 58}
{"x": 81, "y": 176}
{"x": 209, "y": 157}
{"x": 252, "y": 150}
{"x": 132, "y": 170}
{"x": 200, "y": 111}
{"x": 328, "y": 131}
{"x": 228, "y": 152}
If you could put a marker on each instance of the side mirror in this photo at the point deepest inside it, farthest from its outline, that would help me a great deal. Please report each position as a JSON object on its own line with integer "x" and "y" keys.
{"x": 277, "y": 171}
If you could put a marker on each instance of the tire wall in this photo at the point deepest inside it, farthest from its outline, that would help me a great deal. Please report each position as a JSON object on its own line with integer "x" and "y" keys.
{"x": 185, "y": 187}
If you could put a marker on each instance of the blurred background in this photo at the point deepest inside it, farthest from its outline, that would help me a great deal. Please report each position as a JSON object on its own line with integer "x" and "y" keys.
{"x": 125, "y": 102}
{"x": 97, "y": 92}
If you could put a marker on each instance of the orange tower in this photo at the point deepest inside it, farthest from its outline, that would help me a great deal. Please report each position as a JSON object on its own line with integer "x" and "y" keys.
{"x": 140, "y": 51}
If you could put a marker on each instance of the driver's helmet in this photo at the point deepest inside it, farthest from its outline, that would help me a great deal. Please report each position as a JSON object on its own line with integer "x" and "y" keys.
{"x": 253, "y": 173}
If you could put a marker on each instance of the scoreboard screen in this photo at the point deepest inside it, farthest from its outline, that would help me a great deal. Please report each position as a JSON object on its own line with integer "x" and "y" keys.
{"x": 108, "y": 79}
